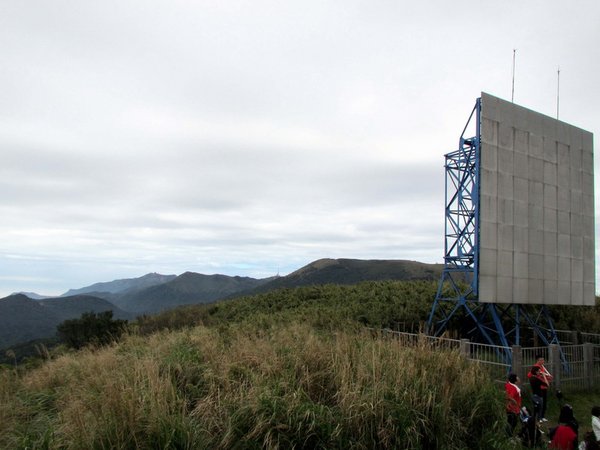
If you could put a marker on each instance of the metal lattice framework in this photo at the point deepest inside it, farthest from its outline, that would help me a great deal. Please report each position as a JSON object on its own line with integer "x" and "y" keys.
{"x": 458, "y": 284}
{"x": 458, "y": 287}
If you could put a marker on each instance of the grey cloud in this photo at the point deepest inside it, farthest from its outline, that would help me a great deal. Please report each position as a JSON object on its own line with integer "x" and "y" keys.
{"x": 241, "y": 137}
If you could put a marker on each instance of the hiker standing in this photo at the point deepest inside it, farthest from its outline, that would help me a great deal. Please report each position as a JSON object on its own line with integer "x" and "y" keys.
{"x": 539, "y": 402}
{"x": 513, "y": 401}
{"x": 540, "y": 380}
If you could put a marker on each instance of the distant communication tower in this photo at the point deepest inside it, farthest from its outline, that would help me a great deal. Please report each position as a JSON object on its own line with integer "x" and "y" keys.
{"x": 519, "y": 224}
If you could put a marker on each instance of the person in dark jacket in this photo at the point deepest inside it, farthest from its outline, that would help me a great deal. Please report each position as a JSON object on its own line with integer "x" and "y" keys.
{"x": 539, "y": 388}
{"x": 546, "y": 378}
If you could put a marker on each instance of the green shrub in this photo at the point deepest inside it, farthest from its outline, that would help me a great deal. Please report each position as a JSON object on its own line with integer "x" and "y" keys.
{"x": 91, "y": 328}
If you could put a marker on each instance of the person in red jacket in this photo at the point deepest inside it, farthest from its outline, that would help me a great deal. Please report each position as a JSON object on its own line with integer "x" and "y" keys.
{"x": 513, "y": 401}
{"x": 564, "y": 436}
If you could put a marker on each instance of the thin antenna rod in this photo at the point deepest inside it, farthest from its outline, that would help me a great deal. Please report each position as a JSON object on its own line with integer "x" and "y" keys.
{"x": 557, "y": 91}
{"x": 513, "y": 75}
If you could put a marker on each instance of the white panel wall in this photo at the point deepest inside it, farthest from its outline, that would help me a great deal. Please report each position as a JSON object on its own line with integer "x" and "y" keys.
{"x": 536, "y": 208}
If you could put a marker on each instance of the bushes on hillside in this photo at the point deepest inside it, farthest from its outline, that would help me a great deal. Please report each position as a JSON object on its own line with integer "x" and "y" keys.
{"x": 378, "y": 304}
{"x": 91, "y": 328}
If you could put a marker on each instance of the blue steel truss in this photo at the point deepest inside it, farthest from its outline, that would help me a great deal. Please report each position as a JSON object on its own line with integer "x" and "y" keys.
{"x": 496, "y": 324}
{"x": 459, "y": 282}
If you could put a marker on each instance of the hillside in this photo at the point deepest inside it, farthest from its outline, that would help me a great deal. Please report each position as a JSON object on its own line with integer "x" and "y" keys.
{"x": 185, "y": 289}
{"x": 352, "y": 271}
{"x": 23, "y": 319}
{"x": 292, "y": 368}
{"x": 191, "y": 288}
{"x": 401, "y": 305}
{"x": 194, "y": 288}
{"x": 154, "y": 293}
{"x": 71, "y": 307}
{"x": 377, "y": 304}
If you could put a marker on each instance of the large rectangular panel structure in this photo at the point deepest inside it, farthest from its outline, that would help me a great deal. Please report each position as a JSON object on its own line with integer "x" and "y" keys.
{"x": 536, "y": 208}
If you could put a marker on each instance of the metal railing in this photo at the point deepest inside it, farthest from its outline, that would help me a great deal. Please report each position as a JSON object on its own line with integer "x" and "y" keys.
{"x": 573, "y": 366}
{"x": 591, "y": 338}
{"x": 495, "y": 358}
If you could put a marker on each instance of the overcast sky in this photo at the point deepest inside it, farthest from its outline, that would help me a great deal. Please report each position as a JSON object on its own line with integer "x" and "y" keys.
{"x": 251, "y": 137}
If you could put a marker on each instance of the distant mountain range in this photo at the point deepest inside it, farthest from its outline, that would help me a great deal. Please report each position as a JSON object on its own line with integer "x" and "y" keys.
{"x": 31, "y": 316}
{"x": 188, "y": 288}
{"x": 33, "y": 295}
{"x": 124, "y": 285}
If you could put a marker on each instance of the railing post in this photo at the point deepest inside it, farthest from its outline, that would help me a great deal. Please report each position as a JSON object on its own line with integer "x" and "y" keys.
{"x": 517, "y": 361}
{"x": 574, "y": 337}
{"x": 465, "y": 348}
{"x": 554, "y": 363}
{"x": 588, "y": 365}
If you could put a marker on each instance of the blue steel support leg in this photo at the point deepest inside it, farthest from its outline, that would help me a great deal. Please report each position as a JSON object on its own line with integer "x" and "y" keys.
{"x": 435, "y": 305}
{"x": 543, "y": 332}
{"x": 500, "y": 333}
{"x": 444, "y": 323}
{"x": 478, "y": 323}
{"x": 498, "y": 324}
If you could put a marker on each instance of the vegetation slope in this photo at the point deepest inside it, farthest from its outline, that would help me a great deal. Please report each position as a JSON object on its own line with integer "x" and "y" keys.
{"x": 288, "y": 369}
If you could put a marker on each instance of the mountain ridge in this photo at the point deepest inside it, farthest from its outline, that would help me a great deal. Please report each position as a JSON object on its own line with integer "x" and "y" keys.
{"x": 122, "y": 285}
{"x": 187, "y": 288}
{"x": 32, "y": 295}
{"x": 351, "y": 271}
{"x": 148, "y": 295}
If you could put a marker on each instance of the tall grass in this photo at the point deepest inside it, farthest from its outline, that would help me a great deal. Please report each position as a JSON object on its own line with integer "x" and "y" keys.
{"x": 244, "y": 388}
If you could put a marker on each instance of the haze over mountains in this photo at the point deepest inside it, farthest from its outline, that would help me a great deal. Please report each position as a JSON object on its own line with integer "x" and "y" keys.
{"x": 22, "y": 318}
